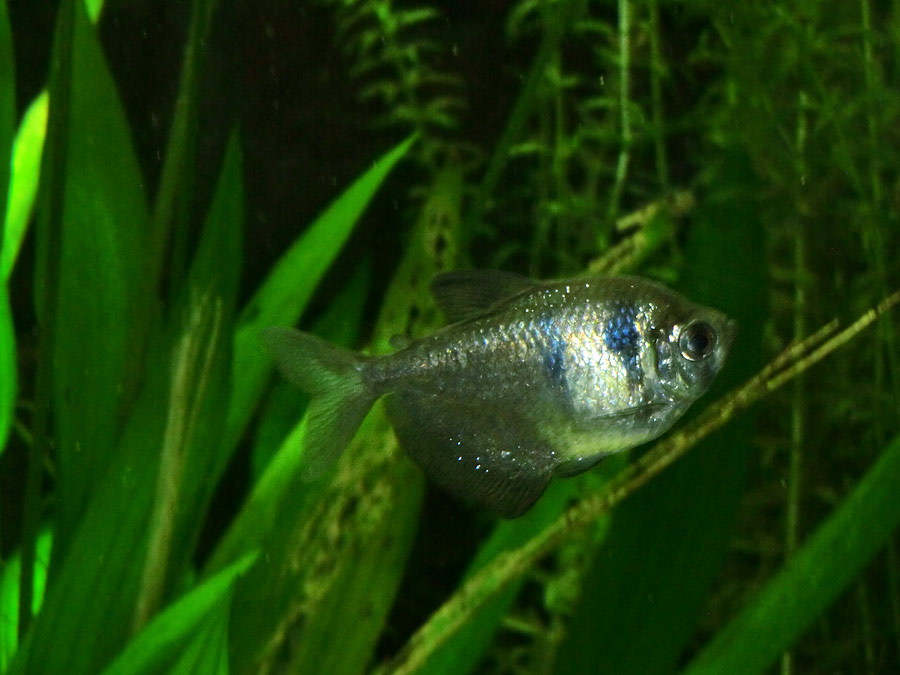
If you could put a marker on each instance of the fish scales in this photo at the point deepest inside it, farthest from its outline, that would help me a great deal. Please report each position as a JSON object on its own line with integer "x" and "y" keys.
{"x": 551, "y": 345}
{"x": 530, "y": 380}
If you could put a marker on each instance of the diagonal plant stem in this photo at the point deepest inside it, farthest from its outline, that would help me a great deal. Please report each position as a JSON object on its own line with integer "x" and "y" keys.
{"x": 553, "y": 34}
{"x": 191, "y": 370}
{"x": 624, "y": 109}
{"x": 508, "y": 567}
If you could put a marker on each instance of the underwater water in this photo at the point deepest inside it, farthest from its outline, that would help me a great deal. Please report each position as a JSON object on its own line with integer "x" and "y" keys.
{"x": 183, "y": 175}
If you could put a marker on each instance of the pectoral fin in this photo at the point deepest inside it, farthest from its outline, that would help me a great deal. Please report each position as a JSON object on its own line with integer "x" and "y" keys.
{"x": 474, "y": 451}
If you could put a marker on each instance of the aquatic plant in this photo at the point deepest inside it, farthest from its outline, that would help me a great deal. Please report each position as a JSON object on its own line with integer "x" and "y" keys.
{"x": 152, "y": 517}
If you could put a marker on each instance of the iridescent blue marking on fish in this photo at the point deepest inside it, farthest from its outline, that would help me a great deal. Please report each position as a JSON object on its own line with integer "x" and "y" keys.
{"x": 620, "y": 333}
{"x": 555, "y": 355}
{"x": 531, "y": 380}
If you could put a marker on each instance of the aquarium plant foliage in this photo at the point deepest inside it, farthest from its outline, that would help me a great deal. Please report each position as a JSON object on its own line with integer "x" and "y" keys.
{"x": 176, "y": 177}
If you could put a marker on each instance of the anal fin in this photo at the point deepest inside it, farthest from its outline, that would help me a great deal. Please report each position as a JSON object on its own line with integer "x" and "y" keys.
{"x": 475, "y": 451}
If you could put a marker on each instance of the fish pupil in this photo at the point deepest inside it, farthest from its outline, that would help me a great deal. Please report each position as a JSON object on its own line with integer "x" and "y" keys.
{"x": 697, "y": 341}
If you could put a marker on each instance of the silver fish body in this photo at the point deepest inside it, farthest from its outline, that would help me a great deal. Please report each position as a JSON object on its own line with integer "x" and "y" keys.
{"x": 532, "y": 380}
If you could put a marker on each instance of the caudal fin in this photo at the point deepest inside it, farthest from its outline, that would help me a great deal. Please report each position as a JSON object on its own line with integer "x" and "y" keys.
{"x": 340, "y": 398}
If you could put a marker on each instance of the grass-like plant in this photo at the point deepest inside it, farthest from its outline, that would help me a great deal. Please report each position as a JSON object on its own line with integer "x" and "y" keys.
{"x": 742, "y": 154}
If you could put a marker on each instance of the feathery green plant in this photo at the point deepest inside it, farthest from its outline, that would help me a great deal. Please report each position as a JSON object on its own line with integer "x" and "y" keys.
{"x": 742, "y": 154}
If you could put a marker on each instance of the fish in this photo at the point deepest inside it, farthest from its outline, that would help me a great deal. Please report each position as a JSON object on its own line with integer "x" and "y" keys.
{"x": 530, "y": 380}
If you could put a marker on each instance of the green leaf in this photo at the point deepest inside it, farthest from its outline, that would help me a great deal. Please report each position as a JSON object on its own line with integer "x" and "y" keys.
{"x": 159, "y": 642}
{"x": 214, "y": 278}
{"x": 89, "y": 610}
{"x": 7, "y": 127}
{"x": 23, "y": 182}
{"x": 823, "y": 568}
{"x": 667, "y": 541}
{"x": 335, "y": 551}
{"x": 465, "y": 649}
{"x": 9, "y": 596}
{"x": 339, "y": 323}
{"x": 7, "y": 102}
{"x": 8, "y": 378}
{"x": 284, "y": 294}
{"x": 94, "y": 8}
{"x": 98, "y": 343}
{"x": 140, "y": 524}
{"x": 207, "y": 654}
{"x": 23, "y": 185}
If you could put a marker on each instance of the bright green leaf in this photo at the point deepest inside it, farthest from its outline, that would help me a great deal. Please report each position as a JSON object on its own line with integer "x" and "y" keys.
{"x": 94, "y": 7}
{"x": 207, "y": 653}
{"x": 161, "y": 639}
{"x": 286, "y": 291}
{"x": 825, "y": 566}
{"x": 23, "y": 181}
{"x": 339, "y": 323}
{"x": 9, "y": 595}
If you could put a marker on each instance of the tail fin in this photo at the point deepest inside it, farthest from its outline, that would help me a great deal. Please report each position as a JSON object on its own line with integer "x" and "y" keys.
{"x": 340, "y": 398}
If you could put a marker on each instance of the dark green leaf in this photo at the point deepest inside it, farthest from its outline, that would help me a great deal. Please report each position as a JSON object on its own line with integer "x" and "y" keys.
{"x": 465, "y": 648}
{"x": 118, "y": 568}
{"x": 286, "y": 291}
{"x": 215, "y": 276}
{"x": 7, "y": 102}
{"x": 667, "y": 541}
{"x": 98, "y": 344}
{"x": 823, "y": 568}
{"x": 89, "y": 610}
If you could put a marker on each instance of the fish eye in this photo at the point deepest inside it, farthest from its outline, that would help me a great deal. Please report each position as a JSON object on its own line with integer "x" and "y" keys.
{"x": 697, "y": 341}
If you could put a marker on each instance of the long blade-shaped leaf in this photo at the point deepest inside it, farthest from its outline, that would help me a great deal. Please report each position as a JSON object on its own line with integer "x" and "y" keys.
{"x": 9, "y": 595}
{"x": 286, "y": 291}
{"x": 23, "y": 183}
{"x": 97, "y": 341}
{"x": 813, "y": 578}
{"x": 215, "y": 273}
{"x": 335, "y": 551}
{"x": 119, "y": 566}
{"x": 160, "y": 640}
{"x": 667, "y": 543}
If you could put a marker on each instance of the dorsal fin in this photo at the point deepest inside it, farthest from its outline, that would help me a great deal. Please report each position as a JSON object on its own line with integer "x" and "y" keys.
{"x": 462, "y": 294}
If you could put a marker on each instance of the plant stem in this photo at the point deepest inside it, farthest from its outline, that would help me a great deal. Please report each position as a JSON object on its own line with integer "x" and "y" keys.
{"x": 657, "y": 69}
{"x": 612, "y": 208}
{"x": 798, "y": 403}
{"x": 192, "y": 366}
{"x": 509, "y": 566}
{"x": 175, "y": 187}
{"x": 520, "y": 112}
